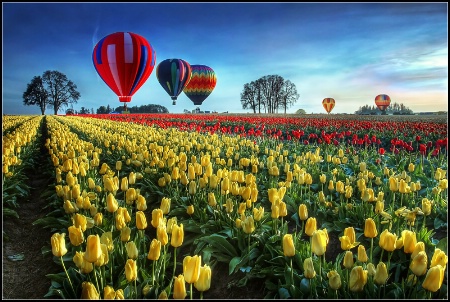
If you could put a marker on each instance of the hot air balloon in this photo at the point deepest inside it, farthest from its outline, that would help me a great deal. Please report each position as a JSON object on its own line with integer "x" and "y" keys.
{"x": 382, "y": 101}
{"x": 328, "y": 104}
{"x": 173, "y": 75}
{"x": 124, "y": 60}
{"x": 201, "y": 85}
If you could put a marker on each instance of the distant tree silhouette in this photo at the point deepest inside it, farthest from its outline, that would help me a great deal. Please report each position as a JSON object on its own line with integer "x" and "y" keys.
{"x": 61, "y": 91}
{"x": 36, "y": 94}
{"x": 269, "y": 93}
{"x": 394, "y": 108}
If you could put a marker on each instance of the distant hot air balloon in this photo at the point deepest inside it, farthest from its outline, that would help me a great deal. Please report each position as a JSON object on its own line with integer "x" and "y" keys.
{"x": 382, "y": 101}
{"x": 328, "y": 104}
{"x": 124, "y": 60}
{"x": 173, "y": 75}
{"x": 201, "y": 85}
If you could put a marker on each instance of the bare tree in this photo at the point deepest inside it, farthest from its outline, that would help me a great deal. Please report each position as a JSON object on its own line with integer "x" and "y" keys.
{"x": 61, "y": 91}
{"x": 271, "y": 92}
{"x": 36, "y": 94}
{"x": 289, "y": 95}
{"x": 249, "y": 97}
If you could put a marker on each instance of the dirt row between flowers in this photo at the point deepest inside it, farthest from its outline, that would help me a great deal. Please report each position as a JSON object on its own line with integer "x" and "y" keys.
{"x": 24, "y": 265}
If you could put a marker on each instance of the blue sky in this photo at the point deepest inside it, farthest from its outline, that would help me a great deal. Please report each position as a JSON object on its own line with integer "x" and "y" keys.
{"x": 348, "y": 51}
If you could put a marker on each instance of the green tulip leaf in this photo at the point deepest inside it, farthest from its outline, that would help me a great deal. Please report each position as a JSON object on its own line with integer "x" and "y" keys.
{"x": 442, "y": 245}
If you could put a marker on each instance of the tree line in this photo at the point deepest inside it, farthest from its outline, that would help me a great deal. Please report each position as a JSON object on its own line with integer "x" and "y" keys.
{"x": 394, "y": 108}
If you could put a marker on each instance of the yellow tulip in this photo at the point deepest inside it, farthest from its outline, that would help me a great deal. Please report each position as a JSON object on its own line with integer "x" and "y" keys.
{"x": 131, "y": 270}
{"x": 177, "y": 237}
{"x": 362, "y": 254}
{"x": 420, "y": 246}
{"x": 132, "y": 251}
{"x": 76, "y": 235}
{"x": 155, "y": 250}
{"x": 93, "y": 248}
{"x": 288, "y": 245}
{"x": 141, "y": 203}
{"x": 426, "y": 206}
{"x": 190, "y": 210}
{"x": 104, "y": 258}
{"x": 98, "y": 219}
{"x": 434, "y": 278}
{"x": 161, "y": 234}
{"x": 323, "y": 178}
{"x": 371, "y": 270}
{"x": 191, "y": 268}
{"x": 379, "y": 206}
{"x": 80, "y": 221}
{"x": 311, "y": 226}
{"x": 419, "y": 264}
{"x": 303, "y": 212}
{"x": 348, "y": 260}
{"x": 157, "y": 216}
{"x": 179, "y": 287}
{"x": 358, "y": 279}
{"x": 125, "y": 233}
{"x": 393, "y": 184}
{"x": 387, "y": 241}
{"x": 334, "y": 279}
{"x": 141, "y": 220}
{"x": 381, "y": 274}
{"x": 331, "y": 185}
{"x": 106, "y": 239}
{"x": 120, "y": 294}
{"x": 319, "y": 242}
{"x": 248, "y": 225}
{"x": 273, "y": 195}
{"x": 88, "y": 291}
{"x": 111, "y": 203}
{"x": 439, "y": 258}
{"x": 308, "y": 267}
{"x": 409, "y": 241}
{"x": 124, "y": 184}
{"x": 204, "y": 281}
{"x": 370, "y": 228}
{"x": 109, "y": 293}
{"x": 58, "y": 244}
{"x": 212, "y": 199}
{"x": 258, "y": 213}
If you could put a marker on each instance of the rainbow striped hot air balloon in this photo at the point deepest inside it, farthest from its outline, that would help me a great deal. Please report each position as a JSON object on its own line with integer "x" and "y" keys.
{"x": 382, "y": 101}
{"x": 201, "y": 85}
{"x": 328, "y": 104}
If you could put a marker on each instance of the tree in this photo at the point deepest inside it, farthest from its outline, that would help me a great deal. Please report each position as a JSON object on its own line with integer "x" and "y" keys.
{"x": 289, "y": 95}
{"x": 36, "y": 94}
{"x": 60, "y": 90}
{"x": 300, "y": 111}
{"x": 271, "y": 92}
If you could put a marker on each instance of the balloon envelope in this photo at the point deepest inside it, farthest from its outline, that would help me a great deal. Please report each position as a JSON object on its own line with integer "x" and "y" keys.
{"x": 328, "y": 104}
{"x": 173, "y": 75}
{"x": 201, "y": 85}
{"x": 382, "y": 101}
{"x": 124, "y": 60}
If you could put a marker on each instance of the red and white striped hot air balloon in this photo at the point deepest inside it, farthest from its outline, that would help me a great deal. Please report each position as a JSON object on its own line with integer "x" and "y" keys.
{"x": 124, "y": 60}
{"x": 328, "y": 104}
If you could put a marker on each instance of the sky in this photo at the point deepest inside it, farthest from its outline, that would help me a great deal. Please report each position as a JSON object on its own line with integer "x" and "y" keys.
{"x": 351, "y": 52}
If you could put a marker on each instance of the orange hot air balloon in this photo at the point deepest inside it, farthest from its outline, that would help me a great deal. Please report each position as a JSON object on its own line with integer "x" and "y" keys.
{"x": 382, "y": 101}
{"x": 328, "y": 104}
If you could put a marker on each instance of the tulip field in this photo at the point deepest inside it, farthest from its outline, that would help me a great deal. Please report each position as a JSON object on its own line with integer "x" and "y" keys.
{"x": 147, "y": 206}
